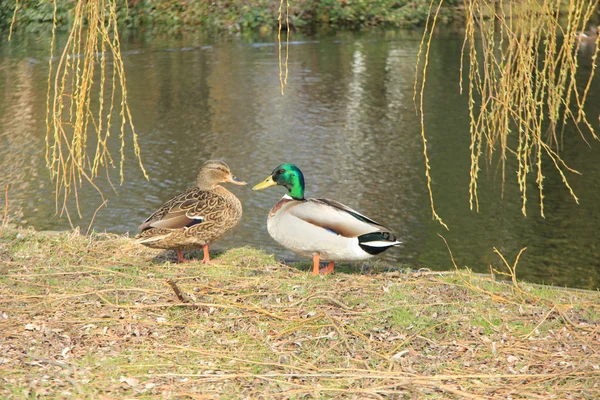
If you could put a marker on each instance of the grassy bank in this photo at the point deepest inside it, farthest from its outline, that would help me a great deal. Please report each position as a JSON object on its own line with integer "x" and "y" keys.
{"x": 175, "y": 16}
{"x": 86, "y": 317}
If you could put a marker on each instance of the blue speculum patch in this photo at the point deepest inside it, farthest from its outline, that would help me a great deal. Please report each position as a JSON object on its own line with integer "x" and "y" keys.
{"x": 194, "y": 222}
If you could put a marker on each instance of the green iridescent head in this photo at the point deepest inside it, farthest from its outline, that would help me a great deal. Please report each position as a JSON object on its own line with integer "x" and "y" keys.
{"x": 287, "y": 175}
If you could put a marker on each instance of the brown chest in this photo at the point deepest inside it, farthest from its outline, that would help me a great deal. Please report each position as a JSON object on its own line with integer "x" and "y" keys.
{"x": 279, "y": 205}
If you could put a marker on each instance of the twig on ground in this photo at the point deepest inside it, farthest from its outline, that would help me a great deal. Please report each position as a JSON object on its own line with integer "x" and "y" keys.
{"x": 178, "y": 292}
{"x": 94, "y": 217}
{"x": 49, "y": 361}
{"x": 5, "y": 220}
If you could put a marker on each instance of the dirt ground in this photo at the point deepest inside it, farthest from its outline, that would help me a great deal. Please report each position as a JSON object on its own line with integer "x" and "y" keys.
{"x": 95, "y": 317}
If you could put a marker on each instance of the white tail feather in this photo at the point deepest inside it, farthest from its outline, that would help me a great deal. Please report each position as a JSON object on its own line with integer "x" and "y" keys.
{"x": 152, "y": 239}
{"x": 380, "y": 243}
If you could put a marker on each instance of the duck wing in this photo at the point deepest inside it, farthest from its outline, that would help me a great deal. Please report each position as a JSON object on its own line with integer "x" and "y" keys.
{"x": 335, "y": 217}
{"x": 378, "y": 239}
{"x": 182, "y": 211}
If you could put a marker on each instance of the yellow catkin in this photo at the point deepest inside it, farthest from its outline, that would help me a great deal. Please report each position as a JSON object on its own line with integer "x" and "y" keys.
{"x": 526, "y": 80}
{"x": 70, "y": 118}
{"x": 283, "y": 63}
{"x": 426, "y": 45}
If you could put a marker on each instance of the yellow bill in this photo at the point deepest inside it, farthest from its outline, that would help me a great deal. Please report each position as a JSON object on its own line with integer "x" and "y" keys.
{"x": 265, "y": 184}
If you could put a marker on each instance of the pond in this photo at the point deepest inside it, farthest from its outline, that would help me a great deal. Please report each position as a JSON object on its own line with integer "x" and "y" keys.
{"x": 347, "y": 119}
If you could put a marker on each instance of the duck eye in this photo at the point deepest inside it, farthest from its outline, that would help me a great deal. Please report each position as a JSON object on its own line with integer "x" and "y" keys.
{"x": 282, "y": 171}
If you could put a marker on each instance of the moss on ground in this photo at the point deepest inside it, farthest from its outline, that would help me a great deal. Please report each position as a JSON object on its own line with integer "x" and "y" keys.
{"x": 87, "y": 317}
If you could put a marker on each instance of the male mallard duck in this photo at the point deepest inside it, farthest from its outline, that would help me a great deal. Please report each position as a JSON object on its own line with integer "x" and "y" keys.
{"x": 321, "y": 228}
{"x": 197, "y": 217}
{"x": 587, "y": 40}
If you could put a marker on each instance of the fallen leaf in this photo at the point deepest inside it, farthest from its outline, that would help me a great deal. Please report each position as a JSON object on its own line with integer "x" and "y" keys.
{"x": 512, "y": 359}
{"x": 133, "y": 382}
{"x": 32, "y": 327}
{"x": 400, "y": 354}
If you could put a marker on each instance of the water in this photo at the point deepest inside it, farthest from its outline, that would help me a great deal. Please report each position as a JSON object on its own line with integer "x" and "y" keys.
{"x": 347, "y": 119}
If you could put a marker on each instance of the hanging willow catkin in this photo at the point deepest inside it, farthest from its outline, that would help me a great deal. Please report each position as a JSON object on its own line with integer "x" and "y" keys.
{"x": 93, "y": 38}
{"x": 283, "y": 76}
{"x": 526, "y": 83}
{"x": 522, "y": 65}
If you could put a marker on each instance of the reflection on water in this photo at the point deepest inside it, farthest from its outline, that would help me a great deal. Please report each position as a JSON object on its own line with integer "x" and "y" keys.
{"x": 347, "y": 119}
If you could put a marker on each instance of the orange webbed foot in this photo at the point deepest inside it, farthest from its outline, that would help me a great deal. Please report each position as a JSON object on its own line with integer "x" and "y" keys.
{"x": 180, "y": 258}
{"x": 317, "y": 267}
{"x": 329, "y": 269}
{"x": 316, "y": 261}
{"x": 206, "y": 259}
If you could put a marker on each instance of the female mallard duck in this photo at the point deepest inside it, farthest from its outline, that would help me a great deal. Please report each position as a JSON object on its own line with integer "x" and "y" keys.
{"x": 197, "y": 217}
{"x": 321, "y": 228}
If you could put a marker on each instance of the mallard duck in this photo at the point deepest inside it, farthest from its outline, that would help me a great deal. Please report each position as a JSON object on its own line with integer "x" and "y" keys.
{"x": 197, "y": 217}
{"x": 321, "y": 228}
{"x": 587, "y": 40}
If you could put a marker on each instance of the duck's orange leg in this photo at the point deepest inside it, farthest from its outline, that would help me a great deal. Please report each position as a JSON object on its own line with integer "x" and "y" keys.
{"x": 180, "y": 258}
{"x": 206, "y": 258}
{"x": 316, "y": 261}
{"x": 329, "y": 269}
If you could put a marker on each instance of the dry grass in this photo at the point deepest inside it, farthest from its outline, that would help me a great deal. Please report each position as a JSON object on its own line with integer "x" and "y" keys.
{"x": 91, "y": 317}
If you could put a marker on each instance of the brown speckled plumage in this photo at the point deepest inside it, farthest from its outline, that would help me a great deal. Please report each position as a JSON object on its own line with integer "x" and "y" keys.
{"x": 197, "y": 217}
